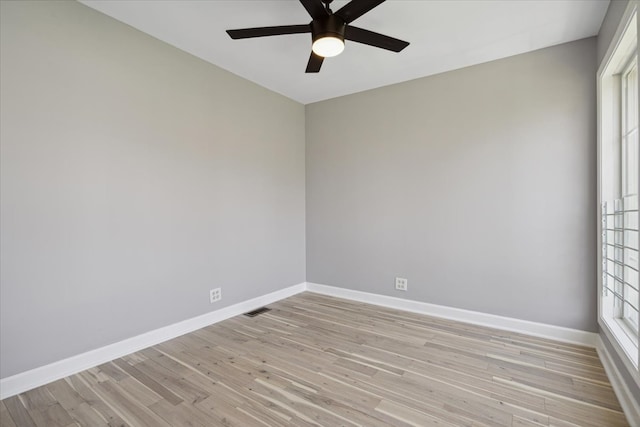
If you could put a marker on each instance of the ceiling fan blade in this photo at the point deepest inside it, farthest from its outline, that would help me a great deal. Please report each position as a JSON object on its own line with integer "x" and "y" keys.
{"x": 356, "y": 8}
{"x": 315, "y": 8}
{"x": 314, "y": 64}
{"x": 247, "y": 33}
{"x": 374, "y": 39}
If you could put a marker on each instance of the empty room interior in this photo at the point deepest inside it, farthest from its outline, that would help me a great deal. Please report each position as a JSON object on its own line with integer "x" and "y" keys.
{"x": 319, "y": 213}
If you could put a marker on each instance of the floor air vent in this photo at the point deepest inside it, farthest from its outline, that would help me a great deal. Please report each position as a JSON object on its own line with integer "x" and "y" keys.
{"x": 260, "y": 310}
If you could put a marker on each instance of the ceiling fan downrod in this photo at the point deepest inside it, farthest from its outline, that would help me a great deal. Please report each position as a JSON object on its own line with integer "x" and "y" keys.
{"x": 326, "y": 6}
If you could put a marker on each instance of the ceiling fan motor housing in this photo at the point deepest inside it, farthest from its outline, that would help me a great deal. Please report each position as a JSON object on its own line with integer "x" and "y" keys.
{"x": 332, "y": 26}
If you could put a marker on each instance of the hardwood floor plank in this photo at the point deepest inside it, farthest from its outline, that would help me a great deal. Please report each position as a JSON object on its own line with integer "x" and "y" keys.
{"x": 143, "y": 394}
{"x": 38, "y": 399}
{"x": 75, "y": 405}
{"x": 127, "y": 406}
{"x": 522, "y": 422}
{"x": 148, "y": 381}
{"x": 182, "y": 415}
{"x": 315, "y": 360}
{"x": 53, "y": 416}
{"x": 5, "y": 417}
{"x": 80, "y": 386}
{"x": 18, "y": 412}
{"x": 409, "y": 415}
{"x": 113, "y": 371}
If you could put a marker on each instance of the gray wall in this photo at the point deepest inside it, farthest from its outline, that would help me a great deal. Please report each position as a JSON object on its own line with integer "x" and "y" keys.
{"x": 476, "y": 185}
{"x": 609, "y": 26}
{"x": 135, "y": 178}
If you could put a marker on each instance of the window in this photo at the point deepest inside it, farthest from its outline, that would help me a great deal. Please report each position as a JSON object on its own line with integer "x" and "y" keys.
{"x": 618, "y": 299}
{"x": 629, "y": 134}
{"x": 629, "y": 180}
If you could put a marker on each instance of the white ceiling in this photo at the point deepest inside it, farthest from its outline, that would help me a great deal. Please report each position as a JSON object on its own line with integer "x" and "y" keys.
{"x": 444, "y": 35}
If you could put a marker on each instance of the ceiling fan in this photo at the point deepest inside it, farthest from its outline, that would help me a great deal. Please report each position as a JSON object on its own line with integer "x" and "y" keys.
{"x": 328, "y": 30}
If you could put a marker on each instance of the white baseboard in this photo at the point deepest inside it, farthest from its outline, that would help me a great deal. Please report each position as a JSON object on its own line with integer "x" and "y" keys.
{"x": 37, "y": 377}
{"x": 28, "y": 380}
{"x": 542, "y": 330}
{"x": 629, "y": 404}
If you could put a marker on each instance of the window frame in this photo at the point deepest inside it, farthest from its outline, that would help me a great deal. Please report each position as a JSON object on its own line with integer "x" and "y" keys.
{"x": 617, "y": 61}
{"x": 630, "y": 327}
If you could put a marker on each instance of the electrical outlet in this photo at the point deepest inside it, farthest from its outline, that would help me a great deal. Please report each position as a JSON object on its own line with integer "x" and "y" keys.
{"x": 215, "y": 295}
{"x": 401, "y": 284}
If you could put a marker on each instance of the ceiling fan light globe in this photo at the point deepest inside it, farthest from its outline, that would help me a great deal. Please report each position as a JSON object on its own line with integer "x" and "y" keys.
{"x": 328, "y": 46}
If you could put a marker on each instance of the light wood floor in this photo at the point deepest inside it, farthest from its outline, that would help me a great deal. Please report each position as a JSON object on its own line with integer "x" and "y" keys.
{"x": 316, "y": 360}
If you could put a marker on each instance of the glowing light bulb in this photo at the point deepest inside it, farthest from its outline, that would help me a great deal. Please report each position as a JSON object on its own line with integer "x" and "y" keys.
{"x": 328, "y": 46}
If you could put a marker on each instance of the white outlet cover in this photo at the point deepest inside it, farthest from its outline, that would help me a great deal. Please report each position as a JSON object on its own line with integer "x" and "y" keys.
{"x": 401, "y": 283}
{"x": 215, "y": 295}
